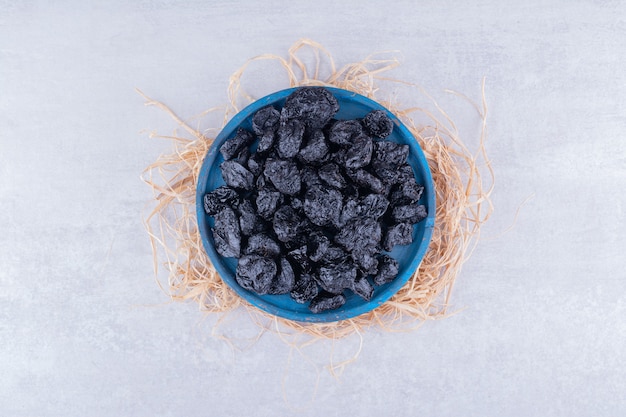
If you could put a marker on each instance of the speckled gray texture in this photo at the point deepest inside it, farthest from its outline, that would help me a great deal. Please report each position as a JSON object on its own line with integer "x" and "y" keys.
{"x": 84, "y": 328}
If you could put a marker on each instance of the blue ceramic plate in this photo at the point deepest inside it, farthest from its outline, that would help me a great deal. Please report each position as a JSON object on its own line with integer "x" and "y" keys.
{"x": 352, "y": 106}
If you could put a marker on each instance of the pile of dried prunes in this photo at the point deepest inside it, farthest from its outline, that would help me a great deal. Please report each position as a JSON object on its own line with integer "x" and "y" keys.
{"x": 311, "y": 202}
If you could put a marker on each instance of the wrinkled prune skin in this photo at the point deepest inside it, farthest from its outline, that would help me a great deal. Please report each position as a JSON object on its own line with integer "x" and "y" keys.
{"x": 360, "y": 152}
{"x": 378, "y": 124}
{"x": 305, "y": 289}
{"x": 217, "y": 199}
{"x": 233, "y": 146}
{"x": 410, "y": 213}
{"x": 236, "y": 175}
{"x": 336, "y": 278}
{"x": 331, "y": 175}
{"x": 285, "y": 280}
{"x": 314, "y": 106}
{"x": 387, "y": 270}
{"x": 262, "y": 244}
{"x": 322, "y": 205}
{"x": 265, "y": 120}
{"x": 255, "y": 273}
{"x": 398, "y": 234}
{"x": 284, "y": 175}
{"x": 309, "y": 209}
{"x": 316, "y": 150}
{"x": 226, "y": 233}
{"x": 249, "y": 221}
{"x": 343, "y": 132}
{"x": 325, "y": 302}
{"x": 290, "y": 136}
{"x": 287, "y": 224}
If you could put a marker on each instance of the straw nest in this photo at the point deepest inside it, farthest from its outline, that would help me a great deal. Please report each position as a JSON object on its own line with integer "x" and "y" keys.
{"x": 463, "y": 182}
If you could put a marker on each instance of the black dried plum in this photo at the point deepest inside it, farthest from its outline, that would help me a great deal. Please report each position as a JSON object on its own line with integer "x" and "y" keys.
{"x": 406, "y": 193}
{"x": 373, "y": 205}
{"x": 255, "y": 164}
{"x": 369, "y": 181}
{"x": 314, "y": 106}
{"x": 289, "y": 140}
{"x": 411, "y": 213}
{"x": 318, "y": 246}
{"x": 226, "y": 233}
{"x": 331, "y": 175}
{"x": 378, "y": 124}
{"x": 285, "y": 280}
{"x": 316, "y": 149}
{"x": 359, "y": 233}
{"x": 218, "y": 199}
{"x": 365, "y": 259}
{"x": 343, "y": 132}
{"x": 389, "y": 154}
{"x": 324, "y": 302}
{"x": 262, "y": 244}
{"x": 363, "y": 288}
{"x": 265, "y": 120}
{"x": 322, "y": 205}
{"x": 310, "y": 177}
{"x": 283, "y": 174}
{"x": 387, "y": 270}
{"x": 266, "y": 142}
{"x": 236, "y": 176}
{"x": 336, "y": 278}
{"x": 287, "y": 224}
{"x": 300, "y": 259}
{"x": 232, "y": 147}
{"x": 305, "y": 289}
{"x": 333, "y": 255}
{"x": 398, "y": 234}
{"x": 267, "y": 202}
{"x": 255, "y": 273}
{"x": 360, "y": 152}
{"x": 249, "y": 221}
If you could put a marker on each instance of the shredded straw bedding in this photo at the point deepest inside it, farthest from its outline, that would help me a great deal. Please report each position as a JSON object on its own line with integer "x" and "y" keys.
{"x": 463, "y": 181}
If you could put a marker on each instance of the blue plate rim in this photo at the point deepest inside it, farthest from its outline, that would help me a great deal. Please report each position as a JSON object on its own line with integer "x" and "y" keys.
{"x": 328, "y": 316}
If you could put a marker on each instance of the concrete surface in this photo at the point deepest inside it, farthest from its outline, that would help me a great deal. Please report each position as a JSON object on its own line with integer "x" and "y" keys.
{"x": 85, "y": 330}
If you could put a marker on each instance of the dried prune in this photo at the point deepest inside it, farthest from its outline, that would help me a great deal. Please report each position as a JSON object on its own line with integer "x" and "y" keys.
{"x": 398, "y": 234}
{"x": 218, "y": 199}
{"x": 343, "y": 132}
{"x": 267, "y": 201}
{"x": 232, "y": 147}
{"x": 407, "y": 192}
{"x": 336, "y": 278}
{"x": 322, "y": 205}
{"x": 367, "y": 180}
{"x": 285, "y": 280}
{"x": 316, "y": 149}
{"x": 284, "y": 175}
{"x": 360, "y": 152}
{"x": 265, "y": 120}
{"x": 305, "y": 289}
{"x": 262, "y": 244}
{"x": 290, "y": 136}
{"x": 331, "y": 175}
{"x": 387, "y": 270}
{"x": 317, "y": 246}
{"x": 226, "y": 233}
{"x": 365, "y": 259}
{"x": 255, "y": 273}
{"x": 300, "y": 259}
{"x": 373, "y": 205}
{"x": 255, "y": 164}
{"x": 314, "y": 106}
{"x": 326, "y": 301}
{"x": 310, "y": 177}
{"x": 249, "y": 221}
{"x": 389, "y": 154}
{"x": 411, "y": 213}
{"x": 378, "y": 124}
{"x": 363, "y": 288}
{"x": 287, "y": 223}
{"x": 236, "y": 176}
{"x": 359, "y": 233}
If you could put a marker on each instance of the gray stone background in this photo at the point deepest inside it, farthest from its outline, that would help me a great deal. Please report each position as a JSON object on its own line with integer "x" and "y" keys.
{"x": 84, "y": 328}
